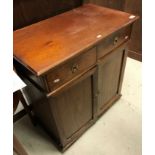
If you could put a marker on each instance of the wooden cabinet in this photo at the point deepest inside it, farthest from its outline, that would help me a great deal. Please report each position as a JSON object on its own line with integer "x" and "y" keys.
{"x": 69, "y": 70}
{"x": 73, "y": 107}
{"x": 73, "y": 65}
{"x": 67, "y": 113}
{"x": 133, "y": 7}
{"x": 110, "y": 72}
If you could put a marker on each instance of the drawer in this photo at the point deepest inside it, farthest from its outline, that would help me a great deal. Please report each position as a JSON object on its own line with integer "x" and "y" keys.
{"x": 113, "y": 41}
{"x": 67, "y": 71}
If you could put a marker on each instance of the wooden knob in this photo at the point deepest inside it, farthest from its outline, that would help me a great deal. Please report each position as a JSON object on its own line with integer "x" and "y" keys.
{"x": 75, "y": 68}
{"x": 115, "y": 40}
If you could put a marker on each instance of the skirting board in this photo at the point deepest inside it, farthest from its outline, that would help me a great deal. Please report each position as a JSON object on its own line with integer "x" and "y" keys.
{"x": 135, "y": 55}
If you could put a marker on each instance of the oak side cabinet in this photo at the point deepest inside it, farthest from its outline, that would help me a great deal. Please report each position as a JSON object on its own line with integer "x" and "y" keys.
{"x": 73, "y": 64}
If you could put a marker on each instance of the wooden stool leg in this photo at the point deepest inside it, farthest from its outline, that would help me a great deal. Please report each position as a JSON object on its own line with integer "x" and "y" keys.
{"x": 17, "y": 147}
{"x": 26, "y": 107}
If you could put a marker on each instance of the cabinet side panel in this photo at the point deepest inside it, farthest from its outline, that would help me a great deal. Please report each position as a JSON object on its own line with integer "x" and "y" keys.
{"x": 40, "y": 107}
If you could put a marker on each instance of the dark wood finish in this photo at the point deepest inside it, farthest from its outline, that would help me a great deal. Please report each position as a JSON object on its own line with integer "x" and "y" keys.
{"x": 78, "y": 102}
{"x": 123, "y": 64}
{"x": 133, "y": 7}
{"x": 108, "y": 105}
{"x": 58, "y": 57}
{"x": 135, "y": 55}
{"x": 37, "y": 98}
{"x": 26, "y": 12}
{"x": 118, "y": 5}
{"x": 69, "y": 112}
{"x": 15, "y": 100}
{"x": 43, "y": 45}
{"x": 19, "y": 115}
{"x": 113, "y": 41}
{"x": 109, "y": 74}
{"x": 135, "y": 44}
{"x": 18, "y": 96}
{"x": 69, "y": 70}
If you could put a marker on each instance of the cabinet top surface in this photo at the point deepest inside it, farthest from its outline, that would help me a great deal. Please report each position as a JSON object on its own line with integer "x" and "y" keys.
{"x": 44, "y": 45}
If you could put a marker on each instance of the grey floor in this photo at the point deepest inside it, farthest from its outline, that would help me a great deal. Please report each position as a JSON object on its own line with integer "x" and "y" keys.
{"x": 117, "y": 132}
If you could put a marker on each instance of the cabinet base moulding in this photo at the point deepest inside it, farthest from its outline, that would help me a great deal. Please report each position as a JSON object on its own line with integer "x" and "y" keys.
{"x": 109, "y": 104}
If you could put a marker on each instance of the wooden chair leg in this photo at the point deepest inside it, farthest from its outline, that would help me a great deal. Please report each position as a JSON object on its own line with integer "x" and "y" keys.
{"x": 26, "y": 107}
{"x": 17, "y": 147}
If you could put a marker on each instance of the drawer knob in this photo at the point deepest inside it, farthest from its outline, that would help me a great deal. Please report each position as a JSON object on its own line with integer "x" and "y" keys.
{"x": 115, "y": 40}
{"x": 75, "y": 68}
{"x": 56, "y": 81}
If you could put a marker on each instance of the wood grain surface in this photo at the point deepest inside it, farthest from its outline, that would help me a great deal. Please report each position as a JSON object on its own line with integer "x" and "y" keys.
{"x": 133, "y": 7}
{"x": 48, "y": 43}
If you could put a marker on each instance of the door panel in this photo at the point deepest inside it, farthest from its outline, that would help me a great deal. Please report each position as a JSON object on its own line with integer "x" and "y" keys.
{"x": 73, "y": 108}
{"x": 109, "y": 73}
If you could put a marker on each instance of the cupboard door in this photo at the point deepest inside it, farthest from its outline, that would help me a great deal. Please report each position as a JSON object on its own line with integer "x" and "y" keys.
{"x": 110, "y": 76}
{"x": 73, "y": 107}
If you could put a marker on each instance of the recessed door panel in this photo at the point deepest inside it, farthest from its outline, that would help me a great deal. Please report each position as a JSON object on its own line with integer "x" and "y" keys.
{"x": 73, "y": 108}
{"x": 109, "y": 73}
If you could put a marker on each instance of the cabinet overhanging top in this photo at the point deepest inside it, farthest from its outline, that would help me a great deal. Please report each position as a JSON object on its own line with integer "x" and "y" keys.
{"x": 44, "y": 45}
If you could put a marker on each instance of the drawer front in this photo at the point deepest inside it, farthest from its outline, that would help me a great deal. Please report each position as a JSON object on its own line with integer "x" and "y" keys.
{"x": 65, "y": 72}
{"x": 113, "y": 41}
